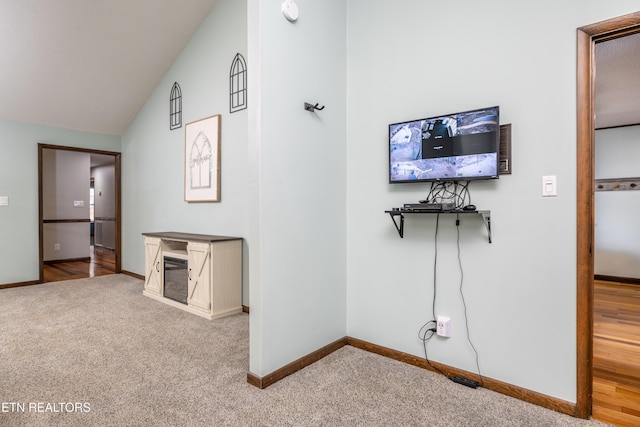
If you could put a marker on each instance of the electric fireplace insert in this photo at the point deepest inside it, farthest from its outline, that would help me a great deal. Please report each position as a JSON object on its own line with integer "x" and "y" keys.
{"x": 176, "y": 279}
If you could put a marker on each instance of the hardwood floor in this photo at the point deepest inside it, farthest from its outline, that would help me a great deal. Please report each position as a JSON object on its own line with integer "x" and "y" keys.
{"x": 616, "y": 353}
{"x": 102, "y": 262}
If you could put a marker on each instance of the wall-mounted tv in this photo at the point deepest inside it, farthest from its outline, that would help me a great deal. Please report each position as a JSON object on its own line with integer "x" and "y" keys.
{"x": 453, "y": 147}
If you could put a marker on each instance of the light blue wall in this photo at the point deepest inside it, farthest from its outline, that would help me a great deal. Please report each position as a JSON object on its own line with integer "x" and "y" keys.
{"x": 153, "y": 155}
{"x": 19, "y": 181}
{"x": 410, "y": 59}
{"x": 297, "y": 188}
{"x": 308, "y": 192}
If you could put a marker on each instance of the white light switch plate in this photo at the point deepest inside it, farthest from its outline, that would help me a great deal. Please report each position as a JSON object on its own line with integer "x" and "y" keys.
{"x": 549, "y": 186}
{"x": 4, "y": 200}
{"x": 78, "y": 203}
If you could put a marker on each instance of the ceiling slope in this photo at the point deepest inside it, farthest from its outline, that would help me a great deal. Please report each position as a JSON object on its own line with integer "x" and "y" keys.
{"x": 89, "y": 65}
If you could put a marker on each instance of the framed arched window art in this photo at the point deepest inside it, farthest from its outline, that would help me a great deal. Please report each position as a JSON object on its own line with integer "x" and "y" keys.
{"x": 202, "y": 160}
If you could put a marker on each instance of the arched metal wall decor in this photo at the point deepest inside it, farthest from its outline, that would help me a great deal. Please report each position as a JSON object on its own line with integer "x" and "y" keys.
{"x": 238, "y": 84}
{"x": 175, "y": 107}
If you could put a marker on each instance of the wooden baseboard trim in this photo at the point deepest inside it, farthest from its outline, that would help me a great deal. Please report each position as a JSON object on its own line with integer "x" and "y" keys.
{"x": 59, "y": 261}
{"x": 627, "y": 280}
{"x": 129, "y": 273}
{"x": 295, "y": 366}
{"x": 19, "y": 284}
{"x": 520, "y": 393}
{"x": 254, "y": 380}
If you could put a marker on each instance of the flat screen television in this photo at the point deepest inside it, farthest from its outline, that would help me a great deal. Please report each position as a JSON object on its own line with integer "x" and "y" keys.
{"x": 453, "y": 147}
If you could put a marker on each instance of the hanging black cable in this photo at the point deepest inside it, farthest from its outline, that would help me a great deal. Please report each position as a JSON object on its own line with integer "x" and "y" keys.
{"x": 464, "y": 304}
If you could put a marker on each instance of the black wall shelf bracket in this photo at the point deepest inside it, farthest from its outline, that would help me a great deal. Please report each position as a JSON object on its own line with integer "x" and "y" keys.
{"x": 312, "y": 108}
{"x": 399, "y": 226}
{"x": 486, "y": 218}
{"x": 399, "y": 223}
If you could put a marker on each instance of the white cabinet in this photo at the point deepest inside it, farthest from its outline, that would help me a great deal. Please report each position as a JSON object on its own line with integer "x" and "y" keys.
{"x": 152, "y": 266}
{"x": 199, "y": 286}
{"x": 212, "y": 280}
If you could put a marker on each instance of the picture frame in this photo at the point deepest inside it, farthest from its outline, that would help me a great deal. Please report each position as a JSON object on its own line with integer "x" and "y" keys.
{"x": 202, "y": 160}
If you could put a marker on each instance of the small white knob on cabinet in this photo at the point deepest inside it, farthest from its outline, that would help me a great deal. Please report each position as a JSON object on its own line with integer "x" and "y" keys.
{"x": 290, "y": 10}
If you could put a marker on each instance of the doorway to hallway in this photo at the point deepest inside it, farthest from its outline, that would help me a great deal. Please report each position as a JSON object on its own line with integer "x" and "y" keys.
{"x": 588, "y": 36}
{"x": 65, "y": 246}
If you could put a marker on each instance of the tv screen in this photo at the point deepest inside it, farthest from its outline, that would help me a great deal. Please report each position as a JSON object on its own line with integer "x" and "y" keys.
{"x": 454, "y": 147}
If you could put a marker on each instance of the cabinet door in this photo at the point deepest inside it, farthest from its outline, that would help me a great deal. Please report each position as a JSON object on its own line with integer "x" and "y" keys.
{"x": 152, "y": 265}
{"x": 199, "y": 276}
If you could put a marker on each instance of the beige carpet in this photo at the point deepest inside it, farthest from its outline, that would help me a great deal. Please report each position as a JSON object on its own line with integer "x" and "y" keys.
{"x": 95, "y": 352}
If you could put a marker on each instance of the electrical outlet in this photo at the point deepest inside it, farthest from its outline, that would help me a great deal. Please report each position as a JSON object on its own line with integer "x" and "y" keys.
{"x": 443, "y": 326}
{"x": 56, "y": 246}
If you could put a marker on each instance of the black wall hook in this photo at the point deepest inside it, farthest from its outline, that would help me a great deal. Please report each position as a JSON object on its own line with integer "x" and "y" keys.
{"x": 312, "y": 108}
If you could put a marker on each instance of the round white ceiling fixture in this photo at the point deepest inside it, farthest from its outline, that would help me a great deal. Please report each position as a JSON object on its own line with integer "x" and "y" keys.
{"x": 290, "y": 10}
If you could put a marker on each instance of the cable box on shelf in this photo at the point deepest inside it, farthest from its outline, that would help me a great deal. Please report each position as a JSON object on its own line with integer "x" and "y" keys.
{"x": 429, "y": 207}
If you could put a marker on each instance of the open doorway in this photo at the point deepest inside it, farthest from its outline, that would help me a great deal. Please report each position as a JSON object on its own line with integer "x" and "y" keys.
{"x": 73, "y": 243}
{"x": 588, "y": 37}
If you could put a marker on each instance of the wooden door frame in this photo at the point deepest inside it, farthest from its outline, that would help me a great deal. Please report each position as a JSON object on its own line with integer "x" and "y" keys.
{"x": 118, "y": 202}
{"x": 587, "y": 37}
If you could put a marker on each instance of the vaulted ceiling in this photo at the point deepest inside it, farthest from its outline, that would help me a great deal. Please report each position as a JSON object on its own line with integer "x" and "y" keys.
{"x": 89, "y": 64}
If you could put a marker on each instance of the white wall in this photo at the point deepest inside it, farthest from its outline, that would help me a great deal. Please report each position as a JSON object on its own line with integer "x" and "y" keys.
{"x": 105, "y": 205}
{"x": 71, "y": 238}
{"x": 19, "y": 181}
{"x": 297, "y": 188}
{"x": 105, "y": 191}
{"x": 65, "y": 181}
{"x": 153, "y": 155}
{"x": 617, "y": 232}
{"x": 410, "y": 59}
